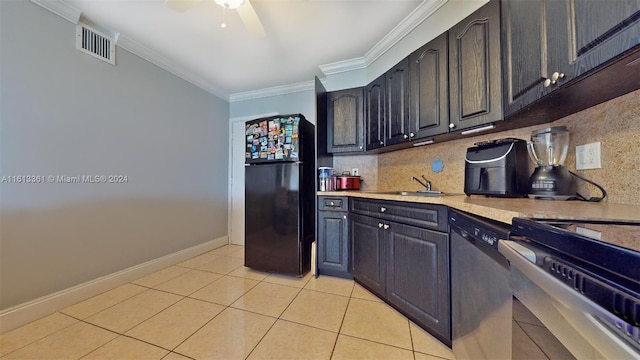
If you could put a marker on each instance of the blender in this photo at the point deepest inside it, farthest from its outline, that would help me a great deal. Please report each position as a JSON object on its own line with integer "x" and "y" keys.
{"x": 551, "y": 180}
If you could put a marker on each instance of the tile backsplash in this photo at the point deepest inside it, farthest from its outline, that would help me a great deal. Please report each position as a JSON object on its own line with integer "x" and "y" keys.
{"x": 615, "y": 124}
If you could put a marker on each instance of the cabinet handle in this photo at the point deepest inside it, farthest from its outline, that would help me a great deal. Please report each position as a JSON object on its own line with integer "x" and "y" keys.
{"x": 344, "y": 217}
{"x": 412, "y": 134}
{"x": 381, "y": 142}
{"x": 451, "y": 126}
{"x": 380, "y": 225}
{"x": 331, "y": 203}
{"x": 405, "y": 136}
{"x": 383, "y": 209}
{"x": 554, "y": 79}
{"x": 361, "y": 147}
{"x": 386, "y": 226}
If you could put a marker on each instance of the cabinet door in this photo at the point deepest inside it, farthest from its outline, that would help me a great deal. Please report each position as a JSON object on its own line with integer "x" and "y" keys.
{"x": 418, "y": 275}
{"x": 345, "y": 123}
{"x": 374, "y": 113}
{"x": 475, "y": 72}
{"x": 600, "y": 30}
{"x": 397, "y": 103}
{"x": 333, "y": 238}
{"x": 429, "y": 89}
{"x": 526, "y": 52}
{"x": 367, "y": 254}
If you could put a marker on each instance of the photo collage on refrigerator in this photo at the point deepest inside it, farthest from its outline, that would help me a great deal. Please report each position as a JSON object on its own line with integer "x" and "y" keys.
{"x": 272, "y": 139}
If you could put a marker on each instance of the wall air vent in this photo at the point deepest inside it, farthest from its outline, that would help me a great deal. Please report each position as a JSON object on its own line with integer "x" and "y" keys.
{"x": 95, "y": 43}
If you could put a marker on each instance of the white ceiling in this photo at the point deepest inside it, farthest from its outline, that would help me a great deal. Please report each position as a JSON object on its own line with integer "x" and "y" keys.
{"x": 301, "y": 35}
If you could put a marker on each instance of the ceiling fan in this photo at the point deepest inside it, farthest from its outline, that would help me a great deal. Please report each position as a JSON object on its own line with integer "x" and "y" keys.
{"x": 243, "y": 7}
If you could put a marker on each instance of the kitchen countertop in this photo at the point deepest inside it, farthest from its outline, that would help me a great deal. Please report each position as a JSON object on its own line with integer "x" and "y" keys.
{"x": 505, "y": 209}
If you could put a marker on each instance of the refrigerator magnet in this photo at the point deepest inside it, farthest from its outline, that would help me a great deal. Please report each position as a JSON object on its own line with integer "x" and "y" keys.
{"x": 288, "y": 140}
{"x": 294, "y": 155}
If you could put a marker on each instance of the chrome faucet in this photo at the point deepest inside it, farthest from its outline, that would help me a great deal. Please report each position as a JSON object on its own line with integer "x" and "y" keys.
{"x": 426, "y": 183}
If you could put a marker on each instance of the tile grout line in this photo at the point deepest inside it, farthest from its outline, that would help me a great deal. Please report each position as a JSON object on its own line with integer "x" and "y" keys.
{"x": 413, "y": 347}
{"x": 45, "y": 336}
{"x": 343, "y": 317}
{"x": 532, "y": 340}
{"x": 278, "y": 318}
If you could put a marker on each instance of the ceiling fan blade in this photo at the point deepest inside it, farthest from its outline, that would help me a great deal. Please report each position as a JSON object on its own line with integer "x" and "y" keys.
{"x": 250, "y": 19}
{"x": 181, "y": 5}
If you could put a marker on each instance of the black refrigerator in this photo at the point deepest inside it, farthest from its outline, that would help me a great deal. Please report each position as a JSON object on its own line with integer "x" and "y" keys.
{"x": 279, "y": 194}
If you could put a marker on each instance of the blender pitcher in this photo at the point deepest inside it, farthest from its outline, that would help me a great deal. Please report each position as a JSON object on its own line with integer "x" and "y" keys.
{"x": 550, "y": 146}
{"x": 551, "y": 180}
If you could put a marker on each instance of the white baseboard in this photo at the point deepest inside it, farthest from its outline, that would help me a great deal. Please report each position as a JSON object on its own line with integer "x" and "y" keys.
{"x": 27, "y": 312}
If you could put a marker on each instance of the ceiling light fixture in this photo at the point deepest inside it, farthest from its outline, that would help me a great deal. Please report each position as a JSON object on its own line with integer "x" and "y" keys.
{"x": 230, "y": 4}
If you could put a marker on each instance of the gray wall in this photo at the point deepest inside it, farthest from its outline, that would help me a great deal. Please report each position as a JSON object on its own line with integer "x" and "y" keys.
{"x": 65, "y": 113}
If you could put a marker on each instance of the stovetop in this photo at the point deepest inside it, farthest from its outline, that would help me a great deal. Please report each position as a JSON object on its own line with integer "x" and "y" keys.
{"x": 623, "y": 233}
{"x": 612, "y": 246}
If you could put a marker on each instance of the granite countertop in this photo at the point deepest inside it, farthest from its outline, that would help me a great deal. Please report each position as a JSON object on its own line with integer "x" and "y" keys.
{"x": 504, "y": 210}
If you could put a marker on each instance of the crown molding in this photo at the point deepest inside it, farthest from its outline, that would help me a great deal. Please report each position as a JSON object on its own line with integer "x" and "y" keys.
{"x": 69, "y": 13}
{"x": 343, "y": 66}
{"x": 408, "y": 24}
{"x": 415, "y": 18}
{"x": 168, "y": 65}
{"x": 61, "y": 9}
{"x": 273, "y": 91}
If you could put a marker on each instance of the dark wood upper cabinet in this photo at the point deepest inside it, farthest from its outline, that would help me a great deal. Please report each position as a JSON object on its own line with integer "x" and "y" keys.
{"x": 345, "y": 121}
{"x": 548, "y": 43}
{"x": 599, "y": 30}
{"x": 429, "y": 89}
{"x": 397, "y": 103}
{"x": 374, "y": 97}
{"x": 475, "y": 72}
{"x": 525, "y": 41}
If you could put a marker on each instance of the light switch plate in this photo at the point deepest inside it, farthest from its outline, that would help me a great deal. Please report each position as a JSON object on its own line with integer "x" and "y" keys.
{"x": 588, "y": 156}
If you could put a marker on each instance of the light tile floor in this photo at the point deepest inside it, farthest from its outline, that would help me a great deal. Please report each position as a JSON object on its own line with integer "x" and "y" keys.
{"x": 212, "y": 307}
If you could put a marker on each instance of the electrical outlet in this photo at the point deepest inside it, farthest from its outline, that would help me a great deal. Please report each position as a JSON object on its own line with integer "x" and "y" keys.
{"x": 355, "y": 172}
{"x": 588, "y": 156}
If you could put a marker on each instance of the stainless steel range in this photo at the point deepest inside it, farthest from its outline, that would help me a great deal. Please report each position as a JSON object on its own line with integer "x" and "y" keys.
{"x": 582, "y": 280}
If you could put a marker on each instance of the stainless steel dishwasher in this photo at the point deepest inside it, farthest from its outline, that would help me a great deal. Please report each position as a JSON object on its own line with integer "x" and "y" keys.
{"x": 481, "y": 296}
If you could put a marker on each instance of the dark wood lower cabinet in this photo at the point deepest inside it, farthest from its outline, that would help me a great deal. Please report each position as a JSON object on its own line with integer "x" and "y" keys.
{"x": 333, "y": 245}
{"x": 333, "y": 236}
{"x": 405, "y": 265}
{"x": 418, "y": 275}
{"x": 367, "y": 252}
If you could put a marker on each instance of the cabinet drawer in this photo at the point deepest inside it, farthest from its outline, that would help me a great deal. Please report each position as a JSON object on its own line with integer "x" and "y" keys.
{"x": 334, "y": 203}
{"x": 417, "y": 214}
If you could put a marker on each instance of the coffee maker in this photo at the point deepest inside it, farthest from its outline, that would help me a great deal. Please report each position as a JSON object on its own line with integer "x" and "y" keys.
{"x": 551, "y": 180}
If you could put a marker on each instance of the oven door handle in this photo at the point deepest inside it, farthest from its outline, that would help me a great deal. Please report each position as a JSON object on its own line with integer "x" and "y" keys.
{"x": 521, "y": 257}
